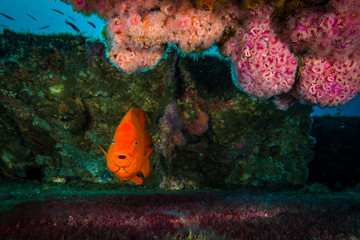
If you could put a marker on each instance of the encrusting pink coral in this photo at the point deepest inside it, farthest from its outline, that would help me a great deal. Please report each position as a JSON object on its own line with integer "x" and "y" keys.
{"x": 331, "y": 72}
{"x": 137, "y": 37}
{"x": 322, "y": 32}
{"x": 264, "y": 65}
{"x": 328, "y": 82}
{"x": 263, "y": 57}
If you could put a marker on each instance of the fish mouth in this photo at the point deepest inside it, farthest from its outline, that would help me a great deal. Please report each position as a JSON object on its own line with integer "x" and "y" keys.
{"x": 122, "y": 161}
{"x": 121, "y": 168}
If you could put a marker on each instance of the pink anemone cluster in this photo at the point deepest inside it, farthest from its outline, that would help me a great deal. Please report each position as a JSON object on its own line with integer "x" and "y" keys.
{"x": 328, "y": 82}
{"x": 331, "y": 41}
{"x": 139, "y": 31}
{"x": 326, "y": 40}
{"x": 333, "y": 29}
{"x": 264, "y": 65}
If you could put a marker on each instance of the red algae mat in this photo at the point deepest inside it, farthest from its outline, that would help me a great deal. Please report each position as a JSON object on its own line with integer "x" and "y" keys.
{"x": 174, "y": 216}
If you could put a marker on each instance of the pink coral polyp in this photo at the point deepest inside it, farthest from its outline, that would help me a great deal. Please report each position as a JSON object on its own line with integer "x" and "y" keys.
{"x": 183, "y": 23}
{"x": 78, "y": 5}
{"x": 134, "y": 19}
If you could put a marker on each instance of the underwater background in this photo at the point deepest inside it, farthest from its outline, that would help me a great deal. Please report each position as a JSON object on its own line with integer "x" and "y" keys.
{"x": 233, "y": 156}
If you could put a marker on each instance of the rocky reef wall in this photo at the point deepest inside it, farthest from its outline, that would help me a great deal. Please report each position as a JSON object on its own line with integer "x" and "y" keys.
{"x": 60, "y": 98}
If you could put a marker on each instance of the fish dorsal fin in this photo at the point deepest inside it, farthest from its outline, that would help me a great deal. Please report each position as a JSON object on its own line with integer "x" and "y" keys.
{"x": 147, "y": 138}
{"x": 129, "y": 116}
{"x": 125, "y": 128}
{"x": 135, "y": 113}
{"x": 141, "y": 116}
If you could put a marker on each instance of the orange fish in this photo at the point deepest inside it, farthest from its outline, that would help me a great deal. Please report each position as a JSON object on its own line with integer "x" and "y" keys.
{"x": 129, "y": 152}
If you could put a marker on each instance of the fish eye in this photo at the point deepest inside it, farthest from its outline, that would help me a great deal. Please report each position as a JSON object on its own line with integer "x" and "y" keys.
{"x": 113, "y": 142}
{"x": 135, "y": 144}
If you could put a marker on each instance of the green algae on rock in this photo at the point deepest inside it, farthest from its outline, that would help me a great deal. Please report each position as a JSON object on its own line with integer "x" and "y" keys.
{"x": 60, "y": 98}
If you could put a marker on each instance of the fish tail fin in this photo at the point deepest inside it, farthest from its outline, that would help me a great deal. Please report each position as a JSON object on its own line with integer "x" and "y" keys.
{"x": 103, "y": 150}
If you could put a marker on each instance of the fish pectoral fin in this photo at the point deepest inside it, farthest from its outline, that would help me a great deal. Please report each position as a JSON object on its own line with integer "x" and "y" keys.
{"x": 103, "y": 150}
{"x": 145, "y": 168}
{"x": 148, "y": 153}
{"x": 136, "y": 179}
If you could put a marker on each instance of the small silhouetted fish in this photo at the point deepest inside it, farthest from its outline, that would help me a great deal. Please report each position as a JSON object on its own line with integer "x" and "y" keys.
{"x": 58, "y": 11}
{"x": 45, "y": 27}
{"x": 31, "y": 17}
{"x": 7, "y": 16}
{"x": 36, "y": 141}
{"x": 71, "y": 18}
{"x": 76, "y": 29}
{"x": 4, "y": 26}
{"x": 93, "y": 25}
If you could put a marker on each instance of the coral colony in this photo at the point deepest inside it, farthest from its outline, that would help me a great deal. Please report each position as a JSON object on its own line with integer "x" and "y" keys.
{"x": 318, "y": 47}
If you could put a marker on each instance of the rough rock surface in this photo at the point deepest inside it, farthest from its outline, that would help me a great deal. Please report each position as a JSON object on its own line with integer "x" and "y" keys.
{"x": 60, "y": 98}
